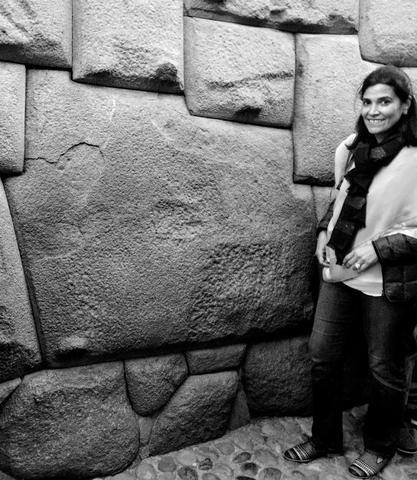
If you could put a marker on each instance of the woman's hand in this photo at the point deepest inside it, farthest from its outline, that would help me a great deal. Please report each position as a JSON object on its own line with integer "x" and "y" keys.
{"x": 320, "y": 252}
{"x": 361, "y": 257}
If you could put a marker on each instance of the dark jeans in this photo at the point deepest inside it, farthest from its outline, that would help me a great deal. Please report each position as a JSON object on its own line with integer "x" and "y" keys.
{"x": 388, "y": 331}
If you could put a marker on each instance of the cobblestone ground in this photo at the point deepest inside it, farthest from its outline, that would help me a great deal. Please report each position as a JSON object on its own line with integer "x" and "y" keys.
{"x": 254, "y": 452}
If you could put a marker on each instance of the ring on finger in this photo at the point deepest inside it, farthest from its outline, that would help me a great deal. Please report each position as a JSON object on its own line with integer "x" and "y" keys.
{"x": 357, "y": 266}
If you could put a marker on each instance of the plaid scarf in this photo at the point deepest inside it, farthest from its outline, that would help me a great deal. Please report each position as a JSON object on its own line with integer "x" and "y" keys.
{"x": 369, "y": 159}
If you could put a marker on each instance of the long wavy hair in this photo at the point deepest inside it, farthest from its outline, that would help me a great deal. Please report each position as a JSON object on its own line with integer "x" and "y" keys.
{"x": 401, "y": 84}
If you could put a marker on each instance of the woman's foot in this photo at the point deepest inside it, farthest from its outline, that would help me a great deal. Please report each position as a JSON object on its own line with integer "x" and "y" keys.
{"x": 368, "y": 465}
{"x": 306, "y": 452}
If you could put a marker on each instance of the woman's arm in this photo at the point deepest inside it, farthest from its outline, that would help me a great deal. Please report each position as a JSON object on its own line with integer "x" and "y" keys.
{"x": 397, "y": 248}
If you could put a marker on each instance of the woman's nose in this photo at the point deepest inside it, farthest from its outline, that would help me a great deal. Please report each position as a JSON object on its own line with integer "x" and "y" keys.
{"x": 373, "y": 109}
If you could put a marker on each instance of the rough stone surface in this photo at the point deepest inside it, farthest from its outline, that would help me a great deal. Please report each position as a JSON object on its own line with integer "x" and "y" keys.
{"x": 239, "y": 73}
{"x": 277, "y": 377}
{"x": 215, "y": 359}
{"x": 152, "y": 381}
{"x": 388, "y": 30}
{"x": 145, "y": 428}
{"x": 135, "y": 45}
{"x": 37, "y": 32}
{"x": 7, "y": 388}
{"x": 19, "y": 348}
{"x": 142, "y": 226}
{"x": 314, "y": 16}
{"x": 199, "y": 411}
{"x": 322, "y": 199}
{"x": 240, "y": 412}
{"x": 12, "y": 125}
{"x": 329, "y": 72}
{"x": 72, "y": 423}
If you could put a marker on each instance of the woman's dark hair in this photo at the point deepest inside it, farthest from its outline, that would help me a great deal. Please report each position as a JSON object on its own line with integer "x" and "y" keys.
{"x": 401, "y": 84}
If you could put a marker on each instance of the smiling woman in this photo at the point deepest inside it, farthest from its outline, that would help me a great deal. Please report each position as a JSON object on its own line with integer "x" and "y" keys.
{"x": 369, "y": 237}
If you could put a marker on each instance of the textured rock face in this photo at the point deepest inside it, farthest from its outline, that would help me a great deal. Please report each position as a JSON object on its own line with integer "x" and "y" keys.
{"x": 37, "y": 32}
{"x": 314, "y": 16}
{"x": 72, "y": 423}
{"x": 142, "y": 226}
{"x": 388, "y": 30}
{"x": 129, "y": 44}
{"x": 277, "y": 377}
{"x": 240, "y": 413}
{"x": 239, "y": 73}
{"x": 7, "y": 389}
{"x": 19, "y": 349}
{"x": 199, "y": 411}
{"x": 329, "y": 72}
{"x": 12, "y": 125}
{"x": 152, "y": 381}
{"x": 212, "y": 359}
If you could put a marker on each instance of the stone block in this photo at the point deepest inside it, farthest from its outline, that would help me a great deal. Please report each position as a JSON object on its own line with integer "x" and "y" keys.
{"x": 136, "y": 45}
{"x": 277, "y": 377}
{"x": 240, "y": 414}
{"x": 142, "y": 226}
{"x": 38, "y": 32}
{"x": 238, "y": 72}
{"x": 329, "y": 73}
{"x": 7, "y": 388}
{"x": 152, "y": 381}
{"x": 19, "y": 348}
{"x": 214, "y": 359}
{"x": 12, "y": 125}
{"x": 314, "y": 16}
{"x": 388, "y": 30}
{"x": 323, "y": 196}
{"x": 199, "y": 411}
{"x": 71, "y": 423}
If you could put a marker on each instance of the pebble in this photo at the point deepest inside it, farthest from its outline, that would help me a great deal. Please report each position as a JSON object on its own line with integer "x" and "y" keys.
{"x": 242, "y": 457}
{"x": 265, "y": 457}
{"x": 187, "y": 473}
{"x": 250, "y": 468}
{"x": 145, "y": 471}
{"x": 187, "y": 457}
{"x": 270, "y": 474}
{"x": 226, "y": 448}
{"x": 205, "y": 464}
{"x": 167, "y": 464}
{"x": 224, "y": 472}
{"x": 210, "y": 476}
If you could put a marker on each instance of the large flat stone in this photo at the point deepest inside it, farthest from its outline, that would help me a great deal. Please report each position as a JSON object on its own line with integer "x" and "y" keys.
{"x": 238, "y": 72}
{"x": 19, "y": 348}
{"x": 329, "y": 73}
{"x": 388, "y": 31}
{"x": 314, "y": 16}
{"x": 37, "y": 32}
{"x": 198, "y": 412}
{"x": 152, "y": 381}
{"x": 74, "y": 423}
{"x": 135, "y": 45}
{"x": 7, "y": 388}
{"x": 12, "y": 125}
{"x": 142, "y": 226}
{"x": 214, "y": 359}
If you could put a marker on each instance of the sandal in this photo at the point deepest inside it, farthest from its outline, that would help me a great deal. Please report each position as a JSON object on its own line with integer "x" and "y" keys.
{"x": 305, "y": 452}
{"x": 368, "y": 465}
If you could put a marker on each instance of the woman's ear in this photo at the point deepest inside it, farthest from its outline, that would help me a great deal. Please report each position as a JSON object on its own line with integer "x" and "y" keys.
{"x": 406, "y": 105}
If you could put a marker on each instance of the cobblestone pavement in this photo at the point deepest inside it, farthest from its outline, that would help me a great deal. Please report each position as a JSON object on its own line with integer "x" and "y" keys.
{"x": 254, "y": 452}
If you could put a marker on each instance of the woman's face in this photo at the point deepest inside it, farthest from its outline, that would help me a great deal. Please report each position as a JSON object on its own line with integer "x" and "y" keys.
{"x": 381, "y": 109}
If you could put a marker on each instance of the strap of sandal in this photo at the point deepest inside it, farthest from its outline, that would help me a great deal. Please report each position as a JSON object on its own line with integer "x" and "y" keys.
{"x": 361, "y": 469}
{"x": 303, "y": 452}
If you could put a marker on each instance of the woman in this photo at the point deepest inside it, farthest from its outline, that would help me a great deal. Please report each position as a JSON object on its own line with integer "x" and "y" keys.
{"x": 368, "y": 250}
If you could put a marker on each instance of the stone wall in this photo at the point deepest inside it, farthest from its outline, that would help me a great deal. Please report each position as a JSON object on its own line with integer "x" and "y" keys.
{"x": 164, "y": 165}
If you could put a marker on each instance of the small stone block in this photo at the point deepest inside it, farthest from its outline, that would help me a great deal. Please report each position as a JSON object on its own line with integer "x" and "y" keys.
{"x": 329, "y": 72}
{"x": 239, "y": 73}
{"x": 12, "y": 125}
{"x": 388, "y": 31}
{"x": 38, "y": 32}
{"x": 136, "y": 45}
{"x": 215, "y": 359}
